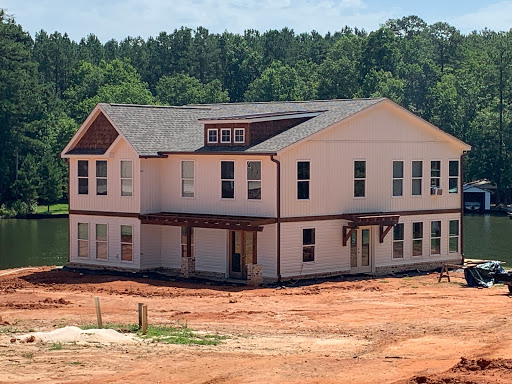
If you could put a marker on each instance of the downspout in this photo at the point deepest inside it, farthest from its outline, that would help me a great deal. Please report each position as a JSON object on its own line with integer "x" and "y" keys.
{"x": 278, "y": 214}
{"x": 464, "y": 154}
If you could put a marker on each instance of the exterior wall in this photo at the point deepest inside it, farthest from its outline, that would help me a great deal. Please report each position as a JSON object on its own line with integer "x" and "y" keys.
{"x": 267, "y": 251}
{"x": 113, "y": 201}
{"x": 150, "y": 246}
{"x": 114, "y": 241}
{"x": 211, "y": 250}
{"x": 161, "y": 189}
{"x": 171, "y": 246}
{"x": 379, "y": 137}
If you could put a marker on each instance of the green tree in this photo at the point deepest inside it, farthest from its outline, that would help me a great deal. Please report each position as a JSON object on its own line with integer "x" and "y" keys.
{"x": 183, "y": 89}
{"x": 26, "y": 186}
{"x": 50, "y": 185}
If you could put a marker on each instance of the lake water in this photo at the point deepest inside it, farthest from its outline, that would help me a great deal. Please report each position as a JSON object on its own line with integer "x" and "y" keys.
{"x": 45, "y": 241}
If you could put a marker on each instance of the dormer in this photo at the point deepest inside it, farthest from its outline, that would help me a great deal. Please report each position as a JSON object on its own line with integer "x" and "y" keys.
{"x": 249, "y": 130}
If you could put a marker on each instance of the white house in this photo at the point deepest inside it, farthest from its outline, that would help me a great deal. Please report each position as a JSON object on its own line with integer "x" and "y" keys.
{"x": 264, "y": 190}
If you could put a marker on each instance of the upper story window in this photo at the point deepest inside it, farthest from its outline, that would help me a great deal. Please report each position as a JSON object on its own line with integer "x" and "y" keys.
{"x": 126, "y": 243}
{"x": 308, "y": 245}
{"x": 398, "y": 178}
{"x": 453, "y": 173}
{"x": 225, "y": 135}
{"x": 213, "y": 136}
{"x": 101, "y": 177}
{"x": 254, "y": 180}
{"x": 83, "y": 240}
{"x": 187, "y": 178}
{"x": 303, "y": 178}
{"x": 398, "y": 241}
{"x": 435, "y": 174}
{"x": 227, "y": 176}
{"x": 359, "y": 178}
{"x": 83, "y": 177}
{"x": 417, "y": 176}
{"x": 101, "y": 241}
{"x": 239, "y": 135}
{"x": 126, "y": 178}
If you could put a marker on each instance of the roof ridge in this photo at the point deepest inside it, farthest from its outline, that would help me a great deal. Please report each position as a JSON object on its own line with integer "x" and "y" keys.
{"x": 293, "y": 101}
{"x": 158, "y": 106}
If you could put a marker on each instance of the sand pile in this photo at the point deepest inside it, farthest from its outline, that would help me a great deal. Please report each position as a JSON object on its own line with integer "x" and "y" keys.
{"x": 77, "y": 335}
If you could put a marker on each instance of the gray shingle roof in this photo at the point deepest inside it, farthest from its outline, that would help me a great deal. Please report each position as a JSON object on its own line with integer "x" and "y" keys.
{"x": 153, "y": 129}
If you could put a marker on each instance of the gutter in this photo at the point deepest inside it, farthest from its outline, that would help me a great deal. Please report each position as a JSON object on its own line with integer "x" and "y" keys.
{"x": 213, "y": 153}
{"x": 278, "y": 214}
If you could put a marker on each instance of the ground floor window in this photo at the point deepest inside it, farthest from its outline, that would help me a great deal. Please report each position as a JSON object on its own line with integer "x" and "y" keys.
{"x": 435, "y": 237}
{"x": 454, "y": 236}
{"x": 417, "y": 239}
{"x": 126, "y": 243}
{"x": 185, "y": 233}
{"x": 101, "y": 241}
{"x": 83, "y": 240}
{"x": 308, "y": 245}
{"x": 398, "y": 241}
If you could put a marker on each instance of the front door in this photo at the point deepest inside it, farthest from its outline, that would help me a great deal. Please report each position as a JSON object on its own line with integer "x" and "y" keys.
{"x": 236, "y": 257}
{"x": 361, "y": 251}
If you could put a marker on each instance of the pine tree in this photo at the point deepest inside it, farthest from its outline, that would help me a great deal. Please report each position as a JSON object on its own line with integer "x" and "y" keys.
{"x": 50, "y": 185}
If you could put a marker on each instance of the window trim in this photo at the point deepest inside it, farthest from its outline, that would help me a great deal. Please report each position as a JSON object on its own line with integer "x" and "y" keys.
{"x": 243, "y": 135}
{"x": 302, "y": 180}
{"x": 439, "y": 178}
{"x": 454, "y": 177}
{"x": 78, "y": 242}
{"x": 440, "y": 237}
{"x": 397, "y": 178}
{"x": 359, "y": 179}
{"x": 100, "y": 241}
{"x": 417, "y": 238}
{"x": 121, "y": 178}
{"x": 101, "y": 177}
{"x": 82, "y": 177}
{"x": 260, "y": 180}
{"x": 313, "y": 246}
{"x": 121, "y": 242}
{"x": 222, "y": 139}
{"x": 221, "y": 180}
{"x": 457, "y": 236}
{"x": 398, "y": 241}
{"x": 216, "y": 135}
{"x": 420, "y": 178}
{"x": 193, "y": 179}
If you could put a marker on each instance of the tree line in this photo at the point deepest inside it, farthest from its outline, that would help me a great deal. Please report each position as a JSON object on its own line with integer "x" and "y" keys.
{"x": 49, "y": 84}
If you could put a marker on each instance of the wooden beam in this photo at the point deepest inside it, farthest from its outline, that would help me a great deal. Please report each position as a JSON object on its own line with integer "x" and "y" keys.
{"x": 383, "y": 232}
{"x": 347, "y": 233}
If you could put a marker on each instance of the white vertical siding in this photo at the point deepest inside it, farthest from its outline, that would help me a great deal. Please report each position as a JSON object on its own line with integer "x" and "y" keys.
{"x": 150, "y": 252}
{"x": 211, "y": 250}
{"x": 151, "y": 171}
{"x": 113, "y": 201}
{"x": 114, "y": 241}
{"x": 171, "y": 247}
{"x": 267, "y": 250}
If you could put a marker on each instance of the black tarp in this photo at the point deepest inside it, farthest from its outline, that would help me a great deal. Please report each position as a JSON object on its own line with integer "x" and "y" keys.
{"x": 482, "y": 275}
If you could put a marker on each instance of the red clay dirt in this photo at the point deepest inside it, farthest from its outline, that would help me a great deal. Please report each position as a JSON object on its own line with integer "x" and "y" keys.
{"x": 407, "y": 330}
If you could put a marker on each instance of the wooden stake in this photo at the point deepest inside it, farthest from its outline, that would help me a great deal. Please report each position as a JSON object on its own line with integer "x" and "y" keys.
{"x": 144, "y": 319}
{"x": 140, "y": 315}
{"x": 98, "y": 312}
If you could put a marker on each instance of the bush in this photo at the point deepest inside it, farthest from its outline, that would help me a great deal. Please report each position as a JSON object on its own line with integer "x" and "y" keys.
{"x": 18, "y": 209}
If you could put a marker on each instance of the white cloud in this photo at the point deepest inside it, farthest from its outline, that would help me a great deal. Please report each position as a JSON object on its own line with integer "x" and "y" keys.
{"x": 497, "y": 17}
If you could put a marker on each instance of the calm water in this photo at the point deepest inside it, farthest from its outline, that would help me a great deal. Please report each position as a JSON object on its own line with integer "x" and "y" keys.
{"x": 45, "y": 241}
{"x": 33, "y": 242}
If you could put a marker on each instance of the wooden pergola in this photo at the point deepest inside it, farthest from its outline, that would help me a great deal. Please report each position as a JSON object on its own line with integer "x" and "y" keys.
{"x": 385, "y": 223}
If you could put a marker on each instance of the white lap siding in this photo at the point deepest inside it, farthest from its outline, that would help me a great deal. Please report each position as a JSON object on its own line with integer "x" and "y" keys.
{"x": 114, "y": 241}
{"x": 210, "y": 250}
{"x": 267, "y": 251}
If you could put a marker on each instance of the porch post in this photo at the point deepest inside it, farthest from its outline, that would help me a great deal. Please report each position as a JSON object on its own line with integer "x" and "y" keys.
{"x": 188, "y": 262}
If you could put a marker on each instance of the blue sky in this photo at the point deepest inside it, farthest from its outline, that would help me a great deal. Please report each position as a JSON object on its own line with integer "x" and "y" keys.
{"x": 120, "y": 18}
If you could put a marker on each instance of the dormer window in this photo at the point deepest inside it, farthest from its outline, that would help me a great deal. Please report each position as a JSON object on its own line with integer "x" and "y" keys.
{"x": 213, "y": 136}
{"x": 239, "y": 135}
{"x": 225, "y": 135}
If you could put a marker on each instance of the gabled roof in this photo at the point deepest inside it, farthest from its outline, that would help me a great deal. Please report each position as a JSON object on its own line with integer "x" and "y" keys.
{"x": 153, "y": 130}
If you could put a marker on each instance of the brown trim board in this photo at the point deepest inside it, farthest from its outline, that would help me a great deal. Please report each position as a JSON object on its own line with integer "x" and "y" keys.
{"x": 100, "y": 213}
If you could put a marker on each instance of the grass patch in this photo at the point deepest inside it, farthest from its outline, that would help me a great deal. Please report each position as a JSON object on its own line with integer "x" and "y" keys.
{"x": 28, "y": 355}
{"x": 76, "y": 363}
{"x": 55, "y": 347}
{"x": 180, "y": 334}
{"x": 54, "y": 209}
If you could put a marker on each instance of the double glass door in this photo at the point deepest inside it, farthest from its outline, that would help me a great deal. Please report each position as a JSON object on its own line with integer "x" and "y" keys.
{"x": 361, "y": 251}
{"x": 242, "y": 251}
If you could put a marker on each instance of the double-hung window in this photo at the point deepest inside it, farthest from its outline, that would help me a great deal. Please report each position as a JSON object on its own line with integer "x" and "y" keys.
{"x": 303, "y": 178}
{"x": 398, "y": 178}
{"x": 83, "y": 177}
{"x": 227, "y": 176}
{"x": 187, "y": 178}
{"x": 308, "y": 245}
{"x": 101, "y": 177}
{"x": 435, "y": 237}
{"x": 453, "y": 176}
{"x": 101, "y": 241}
{"x": 254, "y": 180}
{"x": 213, "y": 136}
{"x": 417, "y": 175}
{"x": 126, "y": 178}
{"x": 435, "y": 175}
{"x": 225, "y": 135}
{"x": 239, "y": 135}
{"x": 454, "y": 236}
{"x": 126, "y": 243}
{"x": 398, "y": 241}
{"x": 359, "y": 178}
{"x": 417, "y": 239}
{"x": 83, "y": 240}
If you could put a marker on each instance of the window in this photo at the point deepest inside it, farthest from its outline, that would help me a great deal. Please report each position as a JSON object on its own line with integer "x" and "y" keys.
{"x": 417, "y": 175}
{"x": 417, "y": 239}
{"x": 239, "y": 135}
{"x": 83, "y": 240}
{"x": 126, "y": 178}
{"x": 187, "y": 178}
{"x": 454, "y": 236}
{"x": 359, "y": 178}
{"x": 83, "y": 177}
{"x": 435, "y": 174}
{"x": 435, "y": 238}
{"x": 453, "y": 180}
{"x": 126, "y": 243}
{"x": 398, "y": 178}
{"x": 303, "y": 178}
{"x": 101, "y": 177}
{"x": 101, "y": 241}
{"x": 254, "y": 180}
{"x": 308, "y": 245}
{"x": 225, "y": 135}
{"x": 398, "y": 241}
{"x": 213, "y": 136}
{"x": 227, "y": 175}
{"x": 184, "y": 242}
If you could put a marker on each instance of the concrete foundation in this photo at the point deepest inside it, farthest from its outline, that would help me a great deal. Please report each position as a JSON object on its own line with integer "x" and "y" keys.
{"x": 254, "y": 274}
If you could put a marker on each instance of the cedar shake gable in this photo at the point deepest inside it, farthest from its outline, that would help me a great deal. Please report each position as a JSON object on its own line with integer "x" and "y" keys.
{"x": 97, "y": 139}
